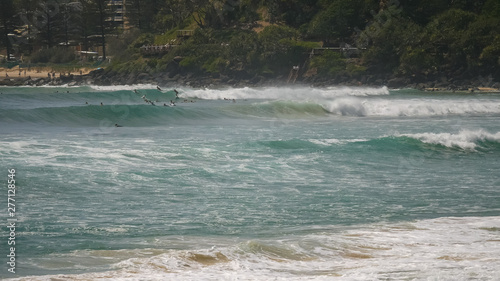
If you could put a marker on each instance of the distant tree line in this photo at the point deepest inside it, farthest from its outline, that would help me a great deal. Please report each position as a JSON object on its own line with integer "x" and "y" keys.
{"x": 31, "y": 25}
{"x": 405, "y": 37}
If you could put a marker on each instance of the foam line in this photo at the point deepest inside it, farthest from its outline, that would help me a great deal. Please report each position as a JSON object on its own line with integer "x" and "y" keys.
{"x": 465, "y": 139}
{"x": 293, "y": 94}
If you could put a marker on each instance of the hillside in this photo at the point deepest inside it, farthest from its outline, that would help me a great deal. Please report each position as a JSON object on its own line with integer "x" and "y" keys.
{"x": 440, "y": 43}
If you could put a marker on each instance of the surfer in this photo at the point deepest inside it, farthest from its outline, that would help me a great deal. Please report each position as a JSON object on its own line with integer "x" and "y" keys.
{"x": 101, "y": 104}
{"x": 116, "y": 125}
{"x": 158, "y": 88}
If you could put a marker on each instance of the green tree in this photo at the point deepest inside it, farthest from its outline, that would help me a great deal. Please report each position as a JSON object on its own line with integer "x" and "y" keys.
{"x": 26, "y": 13}
{"x": 202, "y": 12}
{"x": 329, "y": 63}
{"x": 87, "y": 23}
{"x": 424, "y": 11}
{"x": 490, "y": 56}
{"x": 102, "y": 12}
{"x": 386, "y": 38}
{"x": 415, "y": 60}
{"x": 46, "y": 22}
{"x": 491, "y": 9}
{"x": 277, "y": 44}
{"x": 143, "y": 13}
{"x": 243, "y": 50}
{"x": 446, "y": 35}
{"x": 337, "y": 20}
{"x": 479, "y": 35}
{"x": 7, "y": 12}
{"x": 295, "y": 13}
{"x": 69, "y": 20}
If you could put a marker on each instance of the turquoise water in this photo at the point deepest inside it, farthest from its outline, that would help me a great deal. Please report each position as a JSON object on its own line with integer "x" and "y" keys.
{"x": 277, "y": 184}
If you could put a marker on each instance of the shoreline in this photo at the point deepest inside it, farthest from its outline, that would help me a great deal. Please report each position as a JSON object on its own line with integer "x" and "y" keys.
{"x": 47, "y": 76}
{"x": 38, "y": 72}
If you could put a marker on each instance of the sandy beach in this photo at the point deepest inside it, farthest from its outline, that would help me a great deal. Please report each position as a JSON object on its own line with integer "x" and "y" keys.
{"x": 39, "y": 72}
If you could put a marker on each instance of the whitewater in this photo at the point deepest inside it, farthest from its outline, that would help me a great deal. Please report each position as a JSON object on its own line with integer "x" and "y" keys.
{"x": 272, "y": 183}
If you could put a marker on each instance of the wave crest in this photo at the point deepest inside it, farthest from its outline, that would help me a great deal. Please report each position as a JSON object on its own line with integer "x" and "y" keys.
{"x": 355, "y": 106}
{"x": 291, "y": 94}
{"x": 465, "y": 139}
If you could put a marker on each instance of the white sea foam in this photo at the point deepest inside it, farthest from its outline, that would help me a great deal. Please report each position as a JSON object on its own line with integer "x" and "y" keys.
{"x": 465, "y": 139}
{"x": 356, "y": 106}
{"x": 123, "y": 87}
{"x": 17, "y": 144}
{"x": 292, "y": 93}
{"x": 329, "y": 142}
{"x": 449, "y": 248}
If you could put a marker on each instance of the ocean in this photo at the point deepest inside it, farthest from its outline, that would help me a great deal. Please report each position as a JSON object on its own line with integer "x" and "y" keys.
{"x": 276, "y": 183}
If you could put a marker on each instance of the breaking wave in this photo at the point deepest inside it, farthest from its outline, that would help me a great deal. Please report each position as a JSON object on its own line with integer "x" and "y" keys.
{"x": 371, "y": 252}
{"x": 353, "y": 106}
{"x": 465, "y": 139}
{"x": 291, "y": 94}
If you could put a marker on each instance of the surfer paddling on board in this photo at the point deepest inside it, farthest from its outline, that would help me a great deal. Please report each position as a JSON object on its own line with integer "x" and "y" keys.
{"x": 116, "y": 125}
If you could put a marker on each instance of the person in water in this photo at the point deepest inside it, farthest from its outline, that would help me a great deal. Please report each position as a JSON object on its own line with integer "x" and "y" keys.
{"x": 116, "y": 125}
{"x": 101, "y": 104}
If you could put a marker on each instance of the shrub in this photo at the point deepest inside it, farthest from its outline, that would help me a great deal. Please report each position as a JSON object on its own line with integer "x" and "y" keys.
{"x": 53, "y": 55}
{"x": 330, "y": 63}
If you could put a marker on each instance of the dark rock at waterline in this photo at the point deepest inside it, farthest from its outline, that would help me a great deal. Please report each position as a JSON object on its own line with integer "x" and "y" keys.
{"x": 397, "y": 82}
{"x": 144, "y": 77}
{"x": 177, "y": 76}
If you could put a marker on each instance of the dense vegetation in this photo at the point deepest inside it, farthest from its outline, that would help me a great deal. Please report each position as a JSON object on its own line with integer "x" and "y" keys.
{"x": 426, "y": 39}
